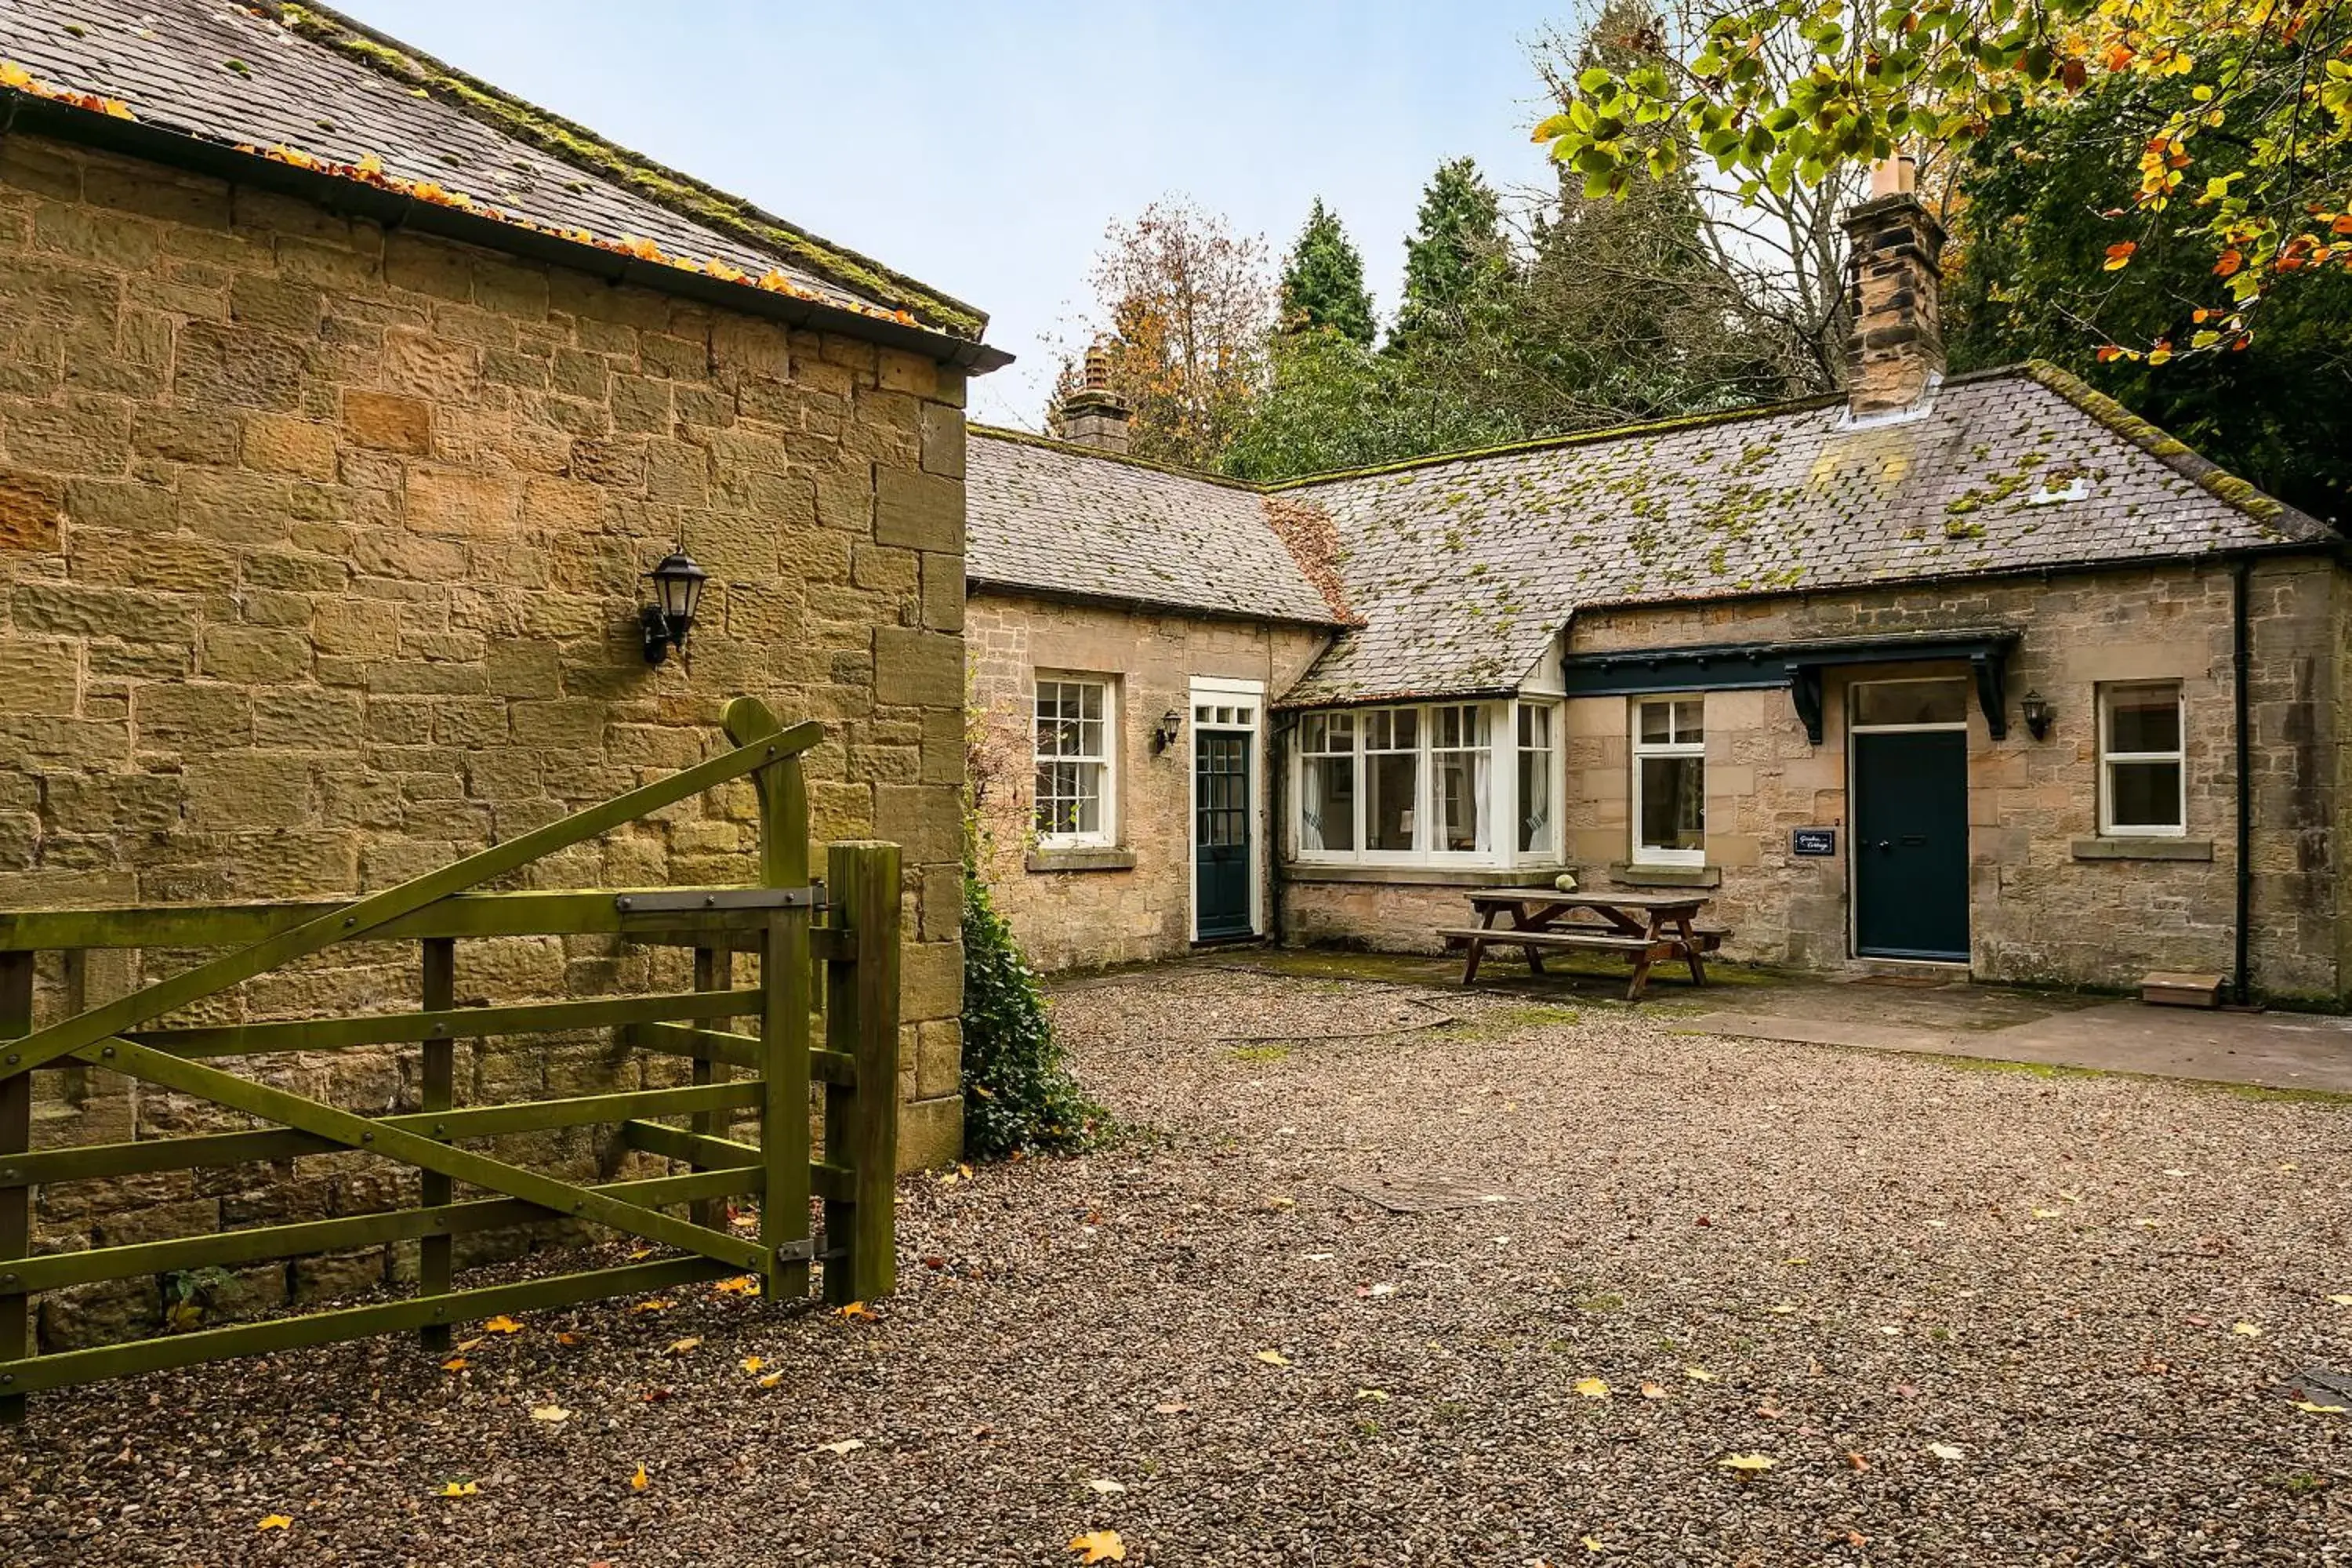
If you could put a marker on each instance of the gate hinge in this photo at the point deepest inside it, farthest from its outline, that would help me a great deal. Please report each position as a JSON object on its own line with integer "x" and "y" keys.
{"x": 688, "y": 900}
{"x": 800, "y": 1251}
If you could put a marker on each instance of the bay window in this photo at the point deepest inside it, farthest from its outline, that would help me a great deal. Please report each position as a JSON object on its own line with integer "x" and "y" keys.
{"x": 1424, "y": 784}
{"x": 1326, "y": 791}
{"x": 1537, "y": 837}
{"x": 1459, "y": 749}
{"x": 1391, "y": 778}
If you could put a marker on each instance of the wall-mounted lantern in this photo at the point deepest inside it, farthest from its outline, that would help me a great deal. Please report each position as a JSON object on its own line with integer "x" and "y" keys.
{"x": 678, "y": 594}
{"x": 2037, "y": 714}
{"x": 1163, "y": 735}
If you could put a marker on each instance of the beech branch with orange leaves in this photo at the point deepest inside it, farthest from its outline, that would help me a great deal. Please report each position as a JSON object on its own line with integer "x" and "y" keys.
{"x": 2269, "y": 80}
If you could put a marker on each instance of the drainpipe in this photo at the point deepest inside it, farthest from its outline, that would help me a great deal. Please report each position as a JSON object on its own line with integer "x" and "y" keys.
{"x": 2241, "y": 987}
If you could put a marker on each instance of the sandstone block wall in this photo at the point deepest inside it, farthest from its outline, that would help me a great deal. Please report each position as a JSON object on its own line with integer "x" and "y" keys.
{"x": 1068, "y": 919}
{"x": 319, "y": 550}
{"x": 2040, "y": 910}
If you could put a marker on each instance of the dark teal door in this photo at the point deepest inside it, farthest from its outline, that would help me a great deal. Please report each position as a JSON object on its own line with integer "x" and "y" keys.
{"x": 1221, "y": 833}
{"x": 1911, "y": 844}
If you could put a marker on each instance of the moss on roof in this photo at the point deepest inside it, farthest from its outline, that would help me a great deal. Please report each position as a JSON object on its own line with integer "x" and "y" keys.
{"x": 584, "y": 148}
{"x": 2217, "y": 480}
{"x": 1554, "y": 443}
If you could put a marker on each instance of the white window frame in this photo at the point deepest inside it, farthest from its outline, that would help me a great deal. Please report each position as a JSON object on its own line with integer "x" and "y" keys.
{"x": 1642, "y": 854}
{"x": 1476, "y": 718}
{"x": 1550, "y": 751}
{"x": 2109, "y": 757}
{"x": 1501, "y": 811}
{"x": 1418, "y": 853}
{"x": 1106, "y": 832}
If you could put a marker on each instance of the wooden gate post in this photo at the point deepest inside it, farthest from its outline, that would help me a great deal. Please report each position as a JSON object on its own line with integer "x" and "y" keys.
{"x": 15, "y": 1196}
{"x": 861, "y": 1020}
{"x": 784, "y": 1034}
{"x": 436, "y": 1257}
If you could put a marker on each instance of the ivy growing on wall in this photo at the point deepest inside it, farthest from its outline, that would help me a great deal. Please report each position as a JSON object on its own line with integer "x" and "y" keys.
{"x": 1018, "y": 1091}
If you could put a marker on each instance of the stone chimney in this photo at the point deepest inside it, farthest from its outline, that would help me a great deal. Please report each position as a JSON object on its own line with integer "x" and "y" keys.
{"x": 1095, "y": 415}
{"x": 1896, "y": 356}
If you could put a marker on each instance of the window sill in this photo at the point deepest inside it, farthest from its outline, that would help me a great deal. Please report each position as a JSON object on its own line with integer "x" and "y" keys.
{"x": 1630, "y": 876}
{"x": 1081, "y": 857}
{"x": 2127, "y": 847}
{"x": 1425, "y": 875}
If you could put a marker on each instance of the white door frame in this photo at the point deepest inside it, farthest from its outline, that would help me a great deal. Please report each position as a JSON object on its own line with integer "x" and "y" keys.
{"x": 1208, "y": 689}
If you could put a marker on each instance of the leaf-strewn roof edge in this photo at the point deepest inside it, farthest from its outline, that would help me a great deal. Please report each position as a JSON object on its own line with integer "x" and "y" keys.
{"x": 585, "y": 150}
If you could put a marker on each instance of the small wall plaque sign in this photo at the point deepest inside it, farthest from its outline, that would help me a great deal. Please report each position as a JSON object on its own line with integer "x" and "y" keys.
{"x": 1813, "y": 840}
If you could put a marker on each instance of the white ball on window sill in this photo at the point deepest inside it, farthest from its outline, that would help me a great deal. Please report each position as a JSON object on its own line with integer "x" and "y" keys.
{"x": 1565, "y": 881}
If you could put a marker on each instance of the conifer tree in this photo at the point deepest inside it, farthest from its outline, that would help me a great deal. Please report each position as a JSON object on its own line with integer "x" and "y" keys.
{"x": 1457, "y": 266}
{"x": 1323, "y": 281}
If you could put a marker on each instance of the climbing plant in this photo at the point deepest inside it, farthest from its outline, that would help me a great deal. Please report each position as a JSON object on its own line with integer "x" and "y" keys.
{"x": 1018, "y": 1091}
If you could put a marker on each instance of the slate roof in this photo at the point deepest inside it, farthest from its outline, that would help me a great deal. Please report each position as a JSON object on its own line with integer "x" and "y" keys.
{"x": 1463, "y": 570}
{"x": 271, "y": 76}
{"x": 1068, "y": 520}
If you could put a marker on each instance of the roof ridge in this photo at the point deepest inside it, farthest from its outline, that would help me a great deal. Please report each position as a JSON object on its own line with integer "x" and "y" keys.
{"x": 1076, "y": 449}
{"x": 1429, "y": 459}
{"x": 1568, "y": 439}
{"x": 585, "y": 148}
{"x": 2169, "y": 450}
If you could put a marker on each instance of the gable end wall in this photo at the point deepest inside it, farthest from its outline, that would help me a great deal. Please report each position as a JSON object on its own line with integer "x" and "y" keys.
{"x": 320, "y": 559}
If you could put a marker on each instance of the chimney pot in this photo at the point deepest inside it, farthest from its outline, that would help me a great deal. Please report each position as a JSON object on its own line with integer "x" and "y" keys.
{"x": 1095, "y": 415}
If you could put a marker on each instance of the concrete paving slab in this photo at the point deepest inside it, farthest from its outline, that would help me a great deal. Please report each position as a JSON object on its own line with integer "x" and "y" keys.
{"x": 2271, "y": 1050}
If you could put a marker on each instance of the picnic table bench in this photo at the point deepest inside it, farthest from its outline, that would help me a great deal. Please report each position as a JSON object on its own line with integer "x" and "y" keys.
{"x": 1645, "y": 927}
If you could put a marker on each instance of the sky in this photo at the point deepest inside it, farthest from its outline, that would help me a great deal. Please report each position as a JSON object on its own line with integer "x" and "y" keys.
{"x": 982, "y": 147}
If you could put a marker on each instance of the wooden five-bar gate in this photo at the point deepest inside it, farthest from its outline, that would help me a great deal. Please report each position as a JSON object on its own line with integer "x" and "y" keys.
{"x": 855, "y": 947}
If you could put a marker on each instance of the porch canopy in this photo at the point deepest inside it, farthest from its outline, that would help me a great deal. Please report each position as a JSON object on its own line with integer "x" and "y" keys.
{"x": 1730, "y": 667}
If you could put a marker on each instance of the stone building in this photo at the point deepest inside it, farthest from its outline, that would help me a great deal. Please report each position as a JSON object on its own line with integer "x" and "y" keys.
{"x": 1976, "y": 674}
{"x": 1129, "y": 628}
{"x": 326, "y": 493}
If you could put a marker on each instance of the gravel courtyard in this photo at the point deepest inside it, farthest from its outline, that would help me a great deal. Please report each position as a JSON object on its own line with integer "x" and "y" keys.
{"x": 1969, "y": 1316}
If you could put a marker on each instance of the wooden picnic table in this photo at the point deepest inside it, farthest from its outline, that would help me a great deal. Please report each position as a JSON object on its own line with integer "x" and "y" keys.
{"x": 1645, "y": 927}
